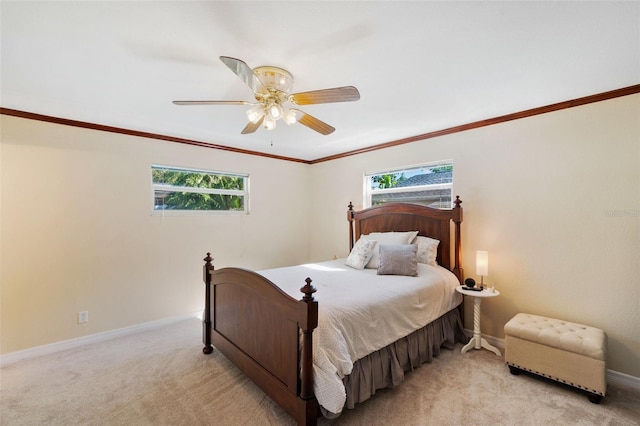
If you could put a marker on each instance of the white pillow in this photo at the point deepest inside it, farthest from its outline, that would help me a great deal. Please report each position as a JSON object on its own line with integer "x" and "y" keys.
{"x": 387, "y": 238}
{"x": 427, "y": 250}
{"x": 360, "y": 254}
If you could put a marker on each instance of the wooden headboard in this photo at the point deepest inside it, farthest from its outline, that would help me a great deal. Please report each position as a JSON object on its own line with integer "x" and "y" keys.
{"x": 399, "y": 217}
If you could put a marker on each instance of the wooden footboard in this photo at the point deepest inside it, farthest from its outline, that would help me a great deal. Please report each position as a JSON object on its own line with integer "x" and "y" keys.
{"x": 258, "y": 327}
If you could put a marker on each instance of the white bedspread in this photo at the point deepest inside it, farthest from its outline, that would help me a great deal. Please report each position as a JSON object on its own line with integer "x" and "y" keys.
{"x": 360, "y": 312}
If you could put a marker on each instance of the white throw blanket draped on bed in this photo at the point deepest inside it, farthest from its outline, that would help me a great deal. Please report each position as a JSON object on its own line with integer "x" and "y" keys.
{"x": 361, "y": 312}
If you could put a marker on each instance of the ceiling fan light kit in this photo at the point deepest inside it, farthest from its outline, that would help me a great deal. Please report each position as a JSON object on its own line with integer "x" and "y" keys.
{"x": 271, "y": 87}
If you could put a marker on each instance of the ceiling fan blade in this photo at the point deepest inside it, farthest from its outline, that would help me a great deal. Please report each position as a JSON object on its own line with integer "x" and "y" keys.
{"x": 337, "y": 94}
{"x": 246, "y": 74}
{"x": 252, "y": 127}
{"x": 212, "y": 103}
{"x": 313, "y": 123}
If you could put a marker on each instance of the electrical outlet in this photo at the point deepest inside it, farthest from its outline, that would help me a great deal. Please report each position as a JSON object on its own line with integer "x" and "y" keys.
{"x": 83, "y": 316}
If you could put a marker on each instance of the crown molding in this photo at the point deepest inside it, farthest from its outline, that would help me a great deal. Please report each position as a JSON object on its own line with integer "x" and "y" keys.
{"x": 630, "y": 90}
{"x": 599, "y": 97}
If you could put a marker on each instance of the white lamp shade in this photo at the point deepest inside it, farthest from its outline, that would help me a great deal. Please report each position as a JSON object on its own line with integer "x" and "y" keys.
{"x": 482, "y": 263}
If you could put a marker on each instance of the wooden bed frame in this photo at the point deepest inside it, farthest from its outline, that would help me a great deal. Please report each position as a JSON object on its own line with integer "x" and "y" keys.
{"x": 258, "y": 327}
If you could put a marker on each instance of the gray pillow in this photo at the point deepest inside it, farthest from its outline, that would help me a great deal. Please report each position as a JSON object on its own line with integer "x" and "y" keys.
{"x": 398, "y": 259}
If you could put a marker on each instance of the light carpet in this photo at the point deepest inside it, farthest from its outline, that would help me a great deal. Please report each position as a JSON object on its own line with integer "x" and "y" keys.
{"x": 161, "y": 377}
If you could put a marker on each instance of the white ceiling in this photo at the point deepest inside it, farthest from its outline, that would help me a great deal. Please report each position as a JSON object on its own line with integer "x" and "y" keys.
{"x": 419, "y": 66}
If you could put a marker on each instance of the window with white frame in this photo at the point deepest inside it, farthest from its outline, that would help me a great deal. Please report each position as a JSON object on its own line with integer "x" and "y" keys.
{"x": 428, "y": 185}
{"x": 180, "y": 189}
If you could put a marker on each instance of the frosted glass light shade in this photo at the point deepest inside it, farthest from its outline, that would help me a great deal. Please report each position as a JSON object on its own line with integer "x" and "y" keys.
{"x": 482, "y": 263}
{"x": 255, "y": 114}
{"x": 276, "y": 111}
{"x": 290, "y": 117}
{"x": 269, "y": 122}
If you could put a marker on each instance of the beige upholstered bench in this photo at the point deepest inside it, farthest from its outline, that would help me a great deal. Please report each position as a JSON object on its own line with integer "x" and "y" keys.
{"x": 570, "y": 353}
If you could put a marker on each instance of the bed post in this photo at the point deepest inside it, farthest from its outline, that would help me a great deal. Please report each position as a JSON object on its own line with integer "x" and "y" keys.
{"x": 306, "y": 370}
{"x": 306, "y": 391}
{"x": 350, "y": 219}
{"x": 206, "y": 320}
{"x": 457, "y": 219}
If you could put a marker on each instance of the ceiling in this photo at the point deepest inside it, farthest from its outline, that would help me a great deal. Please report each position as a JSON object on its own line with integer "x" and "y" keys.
{"x": 419, "y": 66}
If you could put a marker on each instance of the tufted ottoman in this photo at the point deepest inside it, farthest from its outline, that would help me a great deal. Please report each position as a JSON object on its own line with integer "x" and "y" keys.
{"x": 570, "y": 353}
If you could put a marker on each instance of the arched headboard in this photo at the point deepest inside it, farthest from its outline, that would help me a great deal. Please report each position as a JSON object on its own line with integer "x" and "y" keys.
{"x": 429, "y": 222}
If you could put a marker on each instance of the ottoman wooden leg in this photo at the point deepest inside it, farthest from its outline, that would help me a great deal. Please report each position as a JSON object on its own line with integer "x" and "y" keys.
{"x": 514, "y": 370}
{"x": 595, "y": 398}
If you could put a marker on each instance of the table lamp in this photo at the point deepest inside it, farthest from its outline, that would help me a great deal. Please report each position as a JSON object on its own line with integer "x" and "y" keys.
{"x": 482, "y": 265}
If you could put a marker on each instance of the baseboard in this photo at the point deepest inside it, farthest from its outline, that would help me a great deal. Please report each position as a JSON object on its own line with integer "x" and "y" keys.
{"x": 613, "y": 377}
{"x": 12, "y": 357}
{"x": 623, "y": 380}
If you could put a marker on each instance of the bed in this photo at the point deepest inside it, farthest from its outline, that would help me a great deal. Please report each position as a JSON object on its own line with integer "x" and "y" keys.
{"x": 267, "y": 330}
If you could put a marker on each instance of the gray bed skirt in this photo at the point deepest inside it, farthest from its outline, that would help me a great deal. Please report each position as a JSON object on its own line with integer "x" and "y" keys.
{"x": 385, "y": 368}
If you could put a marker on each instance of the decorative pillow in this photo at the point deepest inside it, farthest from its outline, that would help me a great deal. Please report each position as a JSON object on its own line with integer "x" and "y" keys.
{"x": 361, "y": 253}
{"x": 387, "y": 238}
{"x": 398, "y": 259}
{"x": 427, "y": 250}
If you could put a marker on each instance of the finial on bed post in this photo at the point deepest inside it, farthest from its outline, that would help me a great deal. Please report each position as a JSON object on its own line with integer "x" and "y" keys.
{"x": 206, "y": 319}
{"x": 308, "y": 290}
{"x": 207, "y": 260}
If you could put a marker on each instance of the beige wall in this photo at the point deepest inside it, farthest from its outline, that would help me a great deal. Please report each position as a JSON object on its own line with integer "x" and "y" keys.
{"x": 78, "y": 231}
{"x": 554, "y": 198}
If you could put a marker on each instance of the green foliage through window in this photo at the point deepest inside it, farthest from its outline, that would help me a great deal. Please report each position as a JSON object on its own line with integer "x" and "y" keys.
{"x": 388, "y": 180}
{"x": 185, "y": 189}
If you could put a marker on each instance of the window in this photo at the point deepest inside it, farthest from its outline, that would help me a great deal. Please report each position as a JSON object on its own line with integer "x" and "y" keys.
{"x": 429, "y": 185}
{"x": 177, "y": 189}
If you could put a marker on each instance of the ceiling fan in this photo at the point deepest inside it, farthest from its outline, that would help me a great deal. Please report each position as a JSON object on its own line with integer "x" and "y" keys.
{"x": 271, "y": 87}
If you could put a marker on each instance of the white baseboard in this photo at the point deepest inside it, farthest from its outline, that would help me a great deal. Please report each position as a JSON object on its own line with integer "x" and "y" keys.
{"x": 12, "y": 357}
{"x": 624, "y": 380}
{"x": 613, "y": 377}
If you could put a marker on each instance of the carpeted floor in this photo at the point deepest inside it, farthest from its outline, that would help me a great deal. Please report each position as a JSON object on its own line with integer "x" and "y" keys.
{"x": 161, "y": 377}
